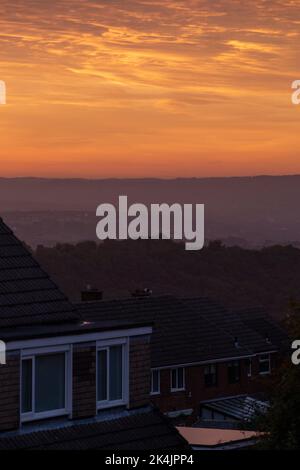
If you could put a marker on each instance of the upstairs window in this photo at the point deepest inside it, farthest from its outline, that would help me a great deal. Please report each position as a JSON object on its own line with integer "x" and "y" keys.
{"x": 234, "y": 373}
{"x": 210, "y": 375}
{"x": 44, "y": 387}
{"x": 177, "y": 379}
{"x": 248, "y": 363}
{"x": 264, "y": 364}
{"x": 111, "y": 386}
{"x": 155, "y": 382}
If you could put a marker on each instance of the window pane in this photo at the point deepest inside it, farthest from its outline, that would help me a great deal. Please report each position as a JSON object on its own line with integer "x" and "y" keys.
{"x": 249, "y": 367}
{"x": 264, "y": 357}
{"x": 180, "y": 378}
{"x": 174, "y": 379}
{"x": 264, "y": 364}
{"x": 102, "y": 375}
{"x": 210, "y": 375}
{"x": 26, "y": 386}
{"x": 155, "y": 381}
{"x": 115, "y": 373}
{"x": 49, "y": 382}
{"x": 233, "y": 372}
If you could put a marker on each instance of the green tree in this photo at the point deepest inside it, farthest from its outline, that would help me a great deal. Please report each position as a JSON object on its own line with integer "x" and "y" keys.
{"x": 281, "y": 425}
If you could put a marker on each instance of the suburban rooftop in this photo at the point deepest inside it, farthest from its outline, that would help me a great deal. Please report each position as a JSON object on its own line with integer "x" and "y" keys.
{"x": 189, "y": 330}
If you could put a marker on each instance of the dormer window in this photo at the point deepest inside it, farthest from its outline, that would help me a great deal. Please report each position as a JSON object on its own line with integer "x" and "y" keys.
{"x": 112, "y": 381}
{"x": 44, "y": 384}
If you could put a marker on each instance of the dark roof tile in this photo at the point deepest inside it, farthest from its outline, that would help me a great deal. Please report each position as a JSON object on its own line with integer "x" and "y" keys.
{"x": 146, "y": 430}
{"x": 258, "y": 320}
{"x": 27, "y": 294}
{"x": 185, "y": 330}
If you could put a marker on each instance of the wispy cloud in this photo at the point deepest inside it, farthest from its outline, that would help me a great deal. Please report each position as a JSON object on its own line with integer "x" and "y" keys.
{"x": 200, "y": 77}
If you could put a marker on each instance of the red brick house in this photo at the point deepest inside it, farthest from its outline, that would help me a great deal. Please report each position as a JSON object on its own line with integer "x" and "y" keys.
{"x": 199, "y": 350}
{"x": 68, "y": 383}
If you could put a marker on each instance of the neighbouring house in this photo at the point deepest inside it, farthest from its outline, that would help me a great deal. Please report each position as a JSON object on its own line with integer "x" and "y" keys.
{"x": 69, "y": 382}
{"x": 200, "y": 351}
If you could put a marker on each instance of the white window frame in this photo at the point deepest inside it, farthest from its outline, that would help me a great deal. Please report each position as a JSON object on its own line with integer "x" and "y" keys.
{"x": 183, "y": 379}
{"x": 105, "y": 346}
{"x": 152, "y": 392}
{"x": 31, "y": 354}
{"x": 261, "y": 360}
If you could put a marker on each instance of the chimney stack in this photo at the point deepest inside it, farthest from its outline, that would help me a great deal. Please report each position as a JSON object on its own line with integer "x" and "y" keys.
{"x": 142, "y": 293}
{"x": 91, "y": 294}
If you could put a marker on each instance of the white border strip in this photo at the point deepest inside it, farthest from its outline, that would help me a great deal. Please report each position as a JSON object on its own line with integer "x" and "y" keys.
{"x": 75, "y": 339}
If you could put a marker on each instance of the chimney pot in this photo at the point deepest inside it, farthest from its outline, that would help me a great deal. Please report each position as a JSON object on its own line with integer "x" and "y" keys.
{"x": 91, "y": 295}
{"x": 142, "y": 292}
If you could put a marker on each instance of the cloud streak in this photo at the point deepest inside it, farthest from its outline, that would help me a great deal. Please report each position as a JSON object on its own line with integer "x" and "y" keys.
{"x": 145, "y": 81}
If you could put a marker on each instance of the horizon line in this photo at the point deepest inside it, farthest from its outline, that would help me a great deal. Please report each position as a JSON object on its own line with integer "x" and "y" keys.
{"x": 146, "y": 178}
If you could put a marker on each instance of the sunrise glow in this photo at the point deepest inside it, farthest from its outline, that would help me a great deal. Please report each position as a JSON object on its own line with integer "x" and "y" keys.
{"x": 142, "y": 88}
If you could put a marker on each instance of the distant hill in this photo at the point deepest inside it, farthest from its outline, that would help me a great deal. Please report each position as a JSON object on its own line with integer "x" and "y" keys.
{"x": 234, "y": 276}
{"x": 251, "y": 209}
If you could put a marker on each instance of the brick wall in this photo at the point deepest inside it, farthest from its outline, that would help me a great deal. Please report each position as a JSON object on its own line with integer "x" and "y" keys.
{"x": 139, "y": 371}
{"x": 9, "y": 393}
{"x": 84, "y": 380}
{"x": 196, "y": 390}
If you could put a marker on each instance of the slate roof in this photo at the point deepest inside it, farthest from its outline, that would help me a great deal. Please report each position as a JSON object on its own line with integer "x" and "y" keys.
{"x": 242, "y": 408}
{"x": 146, "y": 430}
{"x": 185, "y": 330}
{"x": 27, "y": 294}
{"x": 232, "y": 324}
{"x": 258, "y": 320}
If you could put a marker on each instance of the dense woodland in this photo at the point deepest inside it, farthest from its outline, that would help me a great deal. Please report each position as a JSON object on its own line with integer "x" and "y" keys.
{"x": 232, "y": 275}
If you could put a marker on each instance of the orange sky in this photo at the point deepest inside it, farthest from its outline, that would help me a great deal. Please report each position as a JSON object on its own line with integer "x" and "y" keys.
{"x": 130, "y": 88}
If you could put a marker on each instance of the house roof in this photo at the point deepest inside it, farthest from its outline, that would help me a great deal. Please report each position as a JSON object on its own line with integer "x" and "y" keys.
{"x": 27, "y": 295}
{"x": 258, "y": 320}
{"x": 66, "y": 329}
{"x": 242, "y": 408}
{"x": 185, "y": 330}
{"x": 233, "y": 325}
{"x": 144, "y": 430}
{"x": 205, "y": 438}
